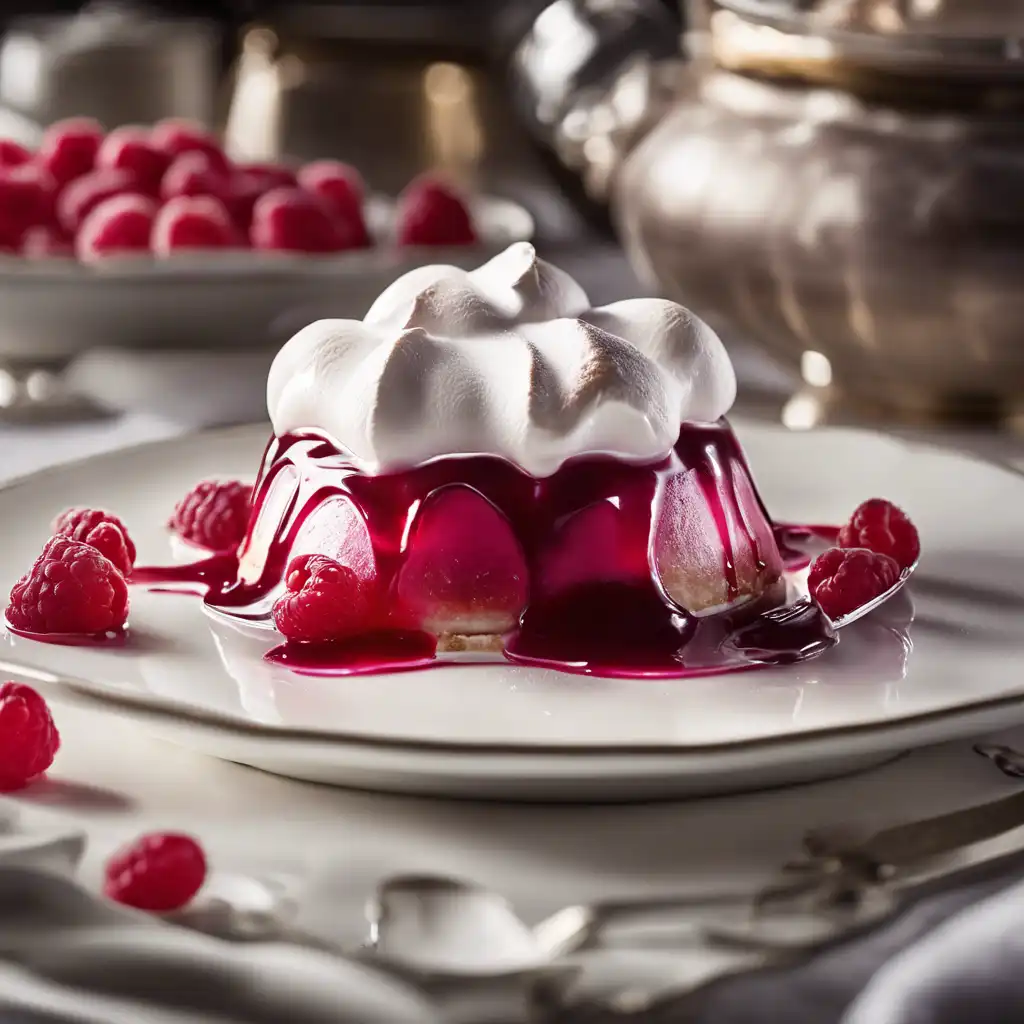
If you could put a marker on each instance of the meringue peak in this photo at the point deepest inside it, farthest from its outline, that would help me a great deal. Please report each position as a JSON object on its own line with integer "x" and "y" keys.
{"x": 508, "y": 360}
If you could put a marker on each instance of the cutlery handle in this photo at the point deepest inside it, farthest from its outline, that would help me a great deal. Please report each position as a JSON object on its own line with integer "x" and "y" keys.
{"x": 697, "y": 29}
{"x": 697, "y": 16}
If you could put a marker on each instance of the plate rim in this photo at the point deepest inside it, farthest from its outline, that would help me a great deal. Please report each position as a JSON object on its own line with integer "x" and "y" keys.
{"x": 212, "y": 719}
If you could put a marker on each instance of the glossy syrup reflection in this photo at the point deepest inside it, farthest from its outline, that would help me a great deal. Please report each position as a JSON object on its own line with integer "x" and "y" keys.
{"x": 862, "y": 672}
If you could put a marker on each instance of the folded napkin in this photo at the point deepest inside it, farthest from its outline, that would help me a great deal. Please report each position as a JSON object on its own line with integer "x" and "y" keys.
{"x": 953, "y": 955}
{"x": 969, "y": 970}
{"x": 68, "y": 956}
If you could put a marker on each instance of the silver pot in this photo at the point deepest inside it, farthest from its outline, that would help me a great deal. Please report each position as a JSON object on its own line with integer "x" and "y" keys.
{"x": 846, "y": 204}
{"x": 114, "y": 61}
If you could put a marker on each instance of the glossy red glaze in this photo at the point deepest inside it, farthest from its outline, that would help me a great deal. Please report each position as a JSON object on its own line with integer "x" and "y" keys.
{"x": 582, "y": 593}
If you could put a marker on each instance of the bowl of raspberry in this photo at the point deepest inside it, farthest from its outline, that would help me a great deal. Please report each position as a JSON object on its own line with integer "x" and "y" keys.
{"x": 154, "y": 236}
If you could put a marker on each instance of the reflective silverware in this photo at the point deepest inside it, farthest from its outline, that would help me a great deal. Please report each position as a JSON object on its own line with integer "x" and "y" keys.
{"x": 876, "y": 602}
{"x": 115, "y": 61}
{"x": 1009, "y": 761}
{"x": 587, "y": 80}
{"x": 848, "y": 197}
{"x": 630, "y": 955}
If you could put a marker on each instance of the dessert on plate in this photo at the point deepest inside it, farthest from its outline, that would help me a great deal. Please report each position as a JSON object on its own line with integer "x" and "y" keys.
{"x": 487, "y": 463}
{"x": 486, "y": 447}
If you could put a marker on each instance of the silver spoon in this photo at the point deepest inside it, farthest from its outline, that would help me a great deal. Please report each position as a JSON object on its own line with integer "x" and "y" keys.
{"x": 467, "y": 947}
{"x": 440, "y": 925}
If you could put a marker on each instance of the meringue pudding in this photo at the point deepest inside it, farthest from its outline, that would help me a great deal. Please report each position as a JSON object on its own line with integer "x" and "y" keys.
{"x": 493, "y": 455}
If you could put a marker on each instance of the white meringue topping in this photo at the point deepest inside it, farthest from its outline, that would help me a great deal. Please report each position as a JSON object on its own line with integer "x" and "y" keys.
{"x": 507, "y": 360}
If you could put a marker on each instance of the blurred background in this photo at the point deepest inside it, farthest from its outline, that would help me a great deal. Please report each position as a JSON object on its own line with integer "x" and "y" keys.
{"x": 836, "y": 185}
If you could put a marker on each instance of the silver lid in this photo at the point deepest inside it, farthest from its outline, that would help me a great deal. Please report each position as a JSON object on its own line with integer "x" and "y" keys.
{"x": 941, "y": 37}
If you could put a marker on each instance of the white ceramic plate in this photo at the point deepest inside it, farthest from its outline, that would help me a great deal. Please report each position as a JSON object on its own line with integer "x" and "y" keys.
{"x": 502, "y": 730}
{"x": 56, "y": 309}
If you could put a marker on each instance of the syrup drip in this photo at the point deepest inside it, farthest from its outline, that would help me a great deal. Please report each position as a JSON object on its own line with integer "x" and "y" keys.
{"x": 613, "y": 620}
{"x": 535, "y": 509}
{"x": 376, "y": 652}
{"x": 799, "y": 545}
{"x": 604, "y": 633}
{"x": 210, "y": 575}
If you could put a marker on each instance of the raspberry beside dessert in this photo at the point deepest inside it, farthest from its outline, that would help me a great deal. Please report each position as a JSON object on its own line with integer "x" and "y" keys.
{"x": 844, "y": 579}
{"x": 880, "y": 526}
{"x": 102, "y": 530}
{"x": 431, "y": 213}
{"x": 323, "y": 601}
{"x": 158, "y": 872}
{"x": 71, "y": 588}
{"x": 214, "y": 514}
{"x": 29, "y": 740}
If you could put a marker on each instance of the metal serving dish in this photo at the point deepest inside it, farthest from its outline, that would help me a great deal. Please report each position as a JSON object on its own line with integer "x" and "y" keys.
{"x": 823, "y": 185}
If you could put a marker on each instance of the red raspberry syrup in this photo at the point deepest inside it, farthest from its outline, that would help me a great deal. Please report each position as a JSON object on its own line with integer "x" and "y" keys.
{"x": 568, "y": 572}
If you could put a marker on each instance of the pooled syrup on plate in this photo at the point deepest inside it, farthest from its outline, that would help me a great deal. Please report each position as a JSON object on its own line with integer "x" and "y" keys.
{"x": 595, "y": 606}
{"x": 387, "y": 651}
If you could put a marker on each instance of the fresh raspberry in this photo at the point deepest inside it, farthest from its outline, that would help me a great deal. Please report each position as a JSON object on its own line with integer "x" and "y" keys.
{"x": 880, "y": 526}
{"x": 249, "y": 182}
{"x": 214, "y": 514}
{"x": 12, "y": 154}
{"x": 346, "y": 184}
{"x": 158, "y": 872}
{"x": 131, "y": 149}
{"x": 28, "y": 738}
{"x": 84, "y": 194}
{"x": 843, "y": 579}
{"x": 71, "y": 588}
{"x": 431, "y": 213}
{"x": 341, "y": 187}
{"x": 194, "y": 174}
{"x": 324, "y": 601}
{"x": 117, "y": 227}
{"x": 193, "y": 222}
{"x": 105, "y": 532}
{"x": 175, "y": 136}
{"x": 26, "y": 199}
{"x": 69, "y": 148}
{"x": 46, "y": 242}
{"x": 290, "y": 220}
